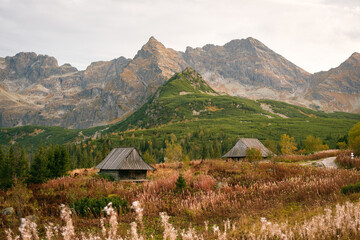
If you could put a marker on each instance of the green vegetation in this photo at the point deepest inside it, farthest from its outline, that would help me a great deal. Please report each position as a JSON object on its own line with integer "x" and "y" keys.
{"x": 206, "y": 124}
{"x": 354, "y": 138}
{"x": 313, "y": 144}
{"x": 105, "y": 176}
{"x": 253, "y": 155}
{"x": 94, "y": 206}
{"x": 180, "y": 183}
{"x": 31, "y": 137}
{"x": 351, "y": 188}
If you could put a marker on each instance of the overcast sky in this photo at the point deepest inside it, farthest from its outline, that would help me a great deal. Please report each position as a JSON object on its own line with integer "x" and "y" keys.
{"x": 314, "y": 34}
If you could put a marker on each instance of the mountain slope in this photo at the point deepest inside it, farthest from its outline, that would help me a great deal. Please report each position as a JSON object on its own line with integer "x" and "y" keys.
{"x": 247, "y": 68}
{"x": 34, "y": 90}
{"x": 339, "y": 88}
{"x": 62, "y": 96}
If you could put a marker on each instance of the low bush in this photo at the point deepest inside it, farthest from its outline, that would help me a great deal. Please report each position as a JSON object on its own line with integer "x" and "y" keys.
{"x": 351, "y": 188}
{"x": 93, "y": 206}
{"x": 106, "y": 177}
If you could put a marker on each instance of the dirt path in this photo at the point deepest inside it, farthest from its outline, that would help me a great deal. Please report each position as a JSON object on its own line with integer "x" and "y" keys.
{"x": 329, "y": 162}
{"x": 325, "y": 162}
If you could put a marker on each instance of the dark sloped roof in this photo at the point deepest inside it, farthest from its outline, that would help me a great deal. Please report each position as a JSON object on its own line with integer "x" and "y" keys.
{"x": 124, "y": 159}
{"x": 239, "y": 150}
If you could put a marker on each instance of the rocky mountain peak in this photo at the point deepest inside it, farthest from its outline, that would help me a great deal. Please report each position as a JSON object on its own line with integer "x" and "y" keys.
{"x": 154, "y": 55}
{"x": 353, "y": 60}
{"x": 150, "y": 47}
{"x": 249, "y": 44}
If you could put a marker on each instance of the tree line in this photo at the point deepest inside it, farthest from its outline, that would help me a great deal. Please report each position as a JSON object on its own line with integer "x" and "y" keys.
{"x": 54, "y": 161}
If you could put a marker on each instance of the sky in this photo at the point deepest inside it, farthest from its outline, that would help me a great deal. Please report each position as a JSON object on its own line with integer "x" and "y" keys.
{"x": 316, "y": 35}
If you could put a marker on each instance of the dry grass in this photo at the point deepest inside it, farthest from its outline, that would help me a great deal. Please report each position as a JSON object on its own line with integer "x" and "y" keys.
{"x": 344, "y": 160}
{"x": 342, "y": 222}
{"x": 301, "y": 158}
{"x": 217, "y": 191}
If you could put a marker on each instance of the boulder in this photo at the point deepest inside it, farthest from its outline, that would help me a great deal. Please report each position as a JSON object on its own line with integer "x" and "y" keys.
{"x": 8, "y": 211}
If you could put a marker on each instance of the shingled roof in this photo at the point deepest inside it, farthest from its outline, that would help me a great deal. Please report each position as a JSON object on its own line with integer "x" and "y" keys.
{"x": 239, "y": 150}
{"x": 124, "y": 159}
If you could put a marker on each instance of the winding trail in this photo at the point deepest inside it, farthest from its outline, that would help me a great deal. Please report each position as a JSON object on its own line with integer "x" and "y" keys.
{"x": 325, "y": 162}
{"x": 329, "y": 162}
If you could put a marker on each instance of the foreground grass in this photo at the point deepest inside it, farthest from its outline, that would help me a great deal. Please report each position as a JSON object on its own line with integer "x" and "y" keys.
{"x": 248, "y": 196}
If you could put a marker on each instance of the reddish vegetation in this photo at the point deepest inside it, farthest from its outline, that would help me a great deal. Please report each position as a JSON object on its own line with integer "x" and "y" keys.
{"x": 216, "y": 190}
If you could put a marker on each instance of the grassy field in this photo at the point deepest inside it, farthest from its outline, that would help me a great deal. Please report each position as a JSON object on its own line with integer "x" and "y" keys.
{"x": 221, "y": 200}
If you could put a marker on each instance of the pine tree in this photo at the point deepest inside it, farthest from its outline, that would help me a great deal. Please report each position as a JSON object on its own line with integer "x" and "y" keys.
{"x": 64, "y": 161}
{"x": 204, "y": 151}
{"x": 180, "y": 183}
{"x": 7, "y": 171}
{"x": 39, "y": 171}
{"x": 2, "y": 168}
{"x": 105, "y": 150}
{"x": 22, "y": 167}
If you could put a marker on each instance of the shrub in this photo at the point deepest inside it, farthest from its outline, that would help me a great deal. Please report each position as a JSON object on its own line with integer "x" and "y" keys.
{"x": 105, "y": 176}
{"x": 253, "y": 155}
{"x": 93, "y": 206}
{"x": 180, "y": 183}
{"x": 351, "y": 188}
{"x": 354, "y": 138}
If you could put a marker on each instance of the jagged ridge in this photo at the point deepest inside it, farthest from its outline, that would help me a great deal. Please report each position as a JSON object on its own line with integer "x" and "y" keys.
{"x": 35, "y": 90}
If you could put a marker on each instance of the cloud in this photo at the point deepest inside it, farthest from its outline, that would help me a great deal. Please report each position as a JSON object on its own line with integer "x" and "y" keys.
{"x": 314, "y": 34}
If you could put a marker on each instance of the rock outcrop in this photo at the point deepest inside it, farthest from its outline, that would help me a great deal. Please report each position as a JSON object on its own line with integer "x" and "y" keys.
{"x": 337, "y": 89}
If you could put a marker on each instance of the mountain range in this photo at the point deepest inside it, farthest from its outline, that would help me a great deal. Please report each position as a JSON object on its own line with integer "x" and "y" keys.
{"x": 35, "y": 90}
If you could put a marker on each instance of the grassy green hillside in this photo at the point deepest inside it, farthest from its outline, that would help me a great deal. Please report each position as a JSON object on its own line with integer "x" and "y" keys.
{"x": 186, "y": 105}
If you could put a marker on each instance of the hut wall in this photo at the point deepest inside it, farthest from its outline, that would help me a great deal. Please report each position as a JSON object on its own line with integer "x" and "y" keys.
{"x": 237, "y": 158}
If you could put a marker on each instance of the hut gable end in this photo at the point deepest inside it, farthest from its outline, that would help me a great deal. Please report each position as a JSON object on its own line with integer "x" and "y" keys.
{"x": 239, "y": 150}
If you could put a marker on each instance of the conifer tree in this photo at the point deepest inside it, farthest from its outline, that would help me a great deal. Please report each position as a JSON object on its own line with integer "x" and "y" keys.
{"x": 22, "y": 167}
{"x": 8, "y": 171}
{"x": 2, "y": 168}
{"x": 39, "y": 171}
{"x": 2, "y": 158}
{"x": 105, "y": 150}
{"x": 64, "y": 161}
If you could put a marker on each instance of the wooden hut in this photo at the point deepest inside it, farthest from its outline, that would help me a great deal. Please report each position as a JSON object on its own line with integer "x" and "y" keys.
{"x": 238, "y": 152}
{"x": 124, "y": 164}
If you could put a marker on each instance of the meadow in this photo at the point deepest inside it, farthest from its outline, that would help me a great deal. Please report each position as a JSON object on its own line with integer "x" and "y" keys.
{"x": 220, "y": 200}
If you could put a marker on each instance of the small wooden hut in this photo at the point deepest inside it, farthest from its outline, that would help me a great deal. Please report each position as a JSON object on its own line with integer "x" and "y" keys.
{"x": 238, "y": 152}
{"x": 124, "y": 164}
